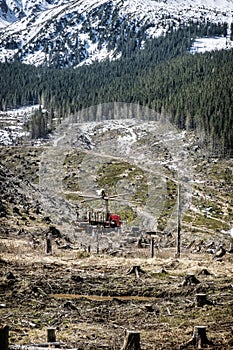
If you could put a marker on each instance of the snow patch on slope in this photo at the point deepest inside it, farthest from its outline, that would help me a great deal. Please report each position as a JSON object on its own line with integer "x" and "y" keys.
{"x": 12, "y": 124}
{"x": 40, "y": 33}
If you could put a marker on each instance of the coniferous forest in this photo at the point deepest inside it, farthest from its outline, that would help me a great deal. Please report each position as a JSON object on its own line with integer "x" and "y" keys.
{"x": 195, "y": 91}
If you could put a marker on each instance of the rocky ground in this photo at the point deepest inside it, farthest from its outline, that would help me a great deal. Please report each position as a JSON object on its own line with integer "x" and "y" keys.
{"x": 84, "y": 288}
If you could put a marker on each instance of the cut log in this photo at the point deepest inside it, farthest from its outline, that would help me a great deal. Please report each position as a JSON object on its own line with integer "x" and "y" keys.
{"x": 191, "y": 244}
{"x": 42, "y": 346}
{"x": 132, "y": 341}
{"x": 219, "y": 253}
{"x": 199, "y": 338}
{"x": 4, "y": 336}
{"x": 31, "y": 347}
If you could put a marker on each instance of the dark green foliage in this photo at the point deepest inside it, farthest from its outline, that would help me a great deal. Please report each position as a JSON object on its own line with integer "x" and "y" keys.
{"x": 195, "y": 91}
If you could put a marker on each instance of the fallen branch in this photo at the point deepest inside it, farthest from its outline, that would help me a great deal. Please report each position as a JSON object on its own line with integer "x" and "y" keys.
{"x": 27, "y": 347}
{"x": 41, "y": 346}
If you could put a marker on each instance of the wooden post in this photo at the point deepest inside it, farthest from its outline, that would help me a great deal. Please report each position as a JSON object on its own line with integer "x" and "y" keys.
{"x": 152, "y": 247}
{"x": 97, "y": 241}
{"x": 178, "y": 222}
{"x": 4, "y": 337}
{"x": 132, "y": 341}
{"x": 51, "y": 336}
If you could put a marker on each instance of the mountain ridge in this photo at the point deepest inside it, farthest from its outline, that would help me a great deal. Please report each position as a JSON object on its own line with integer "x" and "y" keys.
{"x": 64, "y": 34}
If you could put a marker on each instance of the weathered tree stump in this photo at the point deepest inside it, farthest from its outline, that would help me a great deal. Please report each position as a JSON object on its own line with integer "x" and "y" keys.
{"x": 48, "y": 241}
{"x": 4, "y": 336}
{"x": 51, "y": 335}
{"x": 132, "y": 341}
{"x": 199, "y": 338}
{"x": 204, "y": 272}
{"x": 201, "y": 300}
{"x": 135, "y": 269}
{"x": 139, "y": 243}
{"x": 190, "y": 280}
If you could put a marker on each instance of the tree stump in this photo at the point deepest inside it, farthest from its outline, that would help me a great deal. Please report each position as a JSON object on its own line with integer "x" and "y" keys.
{"x": 4, "y": 336}
{"x": 190, "y": 280}
{"x": 48, "y": 241}
{"x": 201, "y": 300}
{"x": 139, "y": 243}
{"x": 135, "y": 269}
{"x": 132, "y": 341}
{"x": 51, "y": 336}
{"x": 199, "y": 338}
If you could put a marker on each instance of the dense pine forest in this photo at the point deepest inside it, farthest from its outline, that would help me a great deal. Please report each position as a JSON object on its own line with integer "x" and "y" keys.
{"x": 195, "y": 91}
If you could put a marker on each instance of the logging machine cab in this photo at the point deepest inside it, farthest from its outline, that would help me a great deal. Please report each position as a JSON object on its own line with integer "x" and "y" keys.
{"x": 106, "y": 219}
{"x": 114, "y": 220}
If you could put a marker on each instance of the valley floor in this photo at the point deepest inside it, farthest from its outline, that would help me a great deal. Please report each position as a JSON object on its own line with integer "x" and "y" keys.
{"x": 89, "y": 295}
{"x": 91, "y": 299}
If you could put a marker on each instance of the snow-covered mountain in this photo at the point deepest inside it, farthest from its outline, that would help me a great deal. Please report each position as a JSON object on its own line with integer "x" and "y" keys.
{"x": 64, "y": 33}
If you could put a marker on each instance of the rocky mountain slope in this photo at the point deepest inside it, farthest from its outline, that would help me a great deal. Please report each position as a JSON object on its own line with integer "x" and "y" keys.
{"x": 70, "y": 33}
{"x": 86, "y": 287}
{"x": 142, "y": 161}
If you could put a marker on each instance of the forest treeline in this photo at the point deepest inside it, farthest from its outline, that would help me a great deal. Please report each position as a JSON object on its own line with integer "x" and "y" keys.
{"x": 195, "y": 91}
